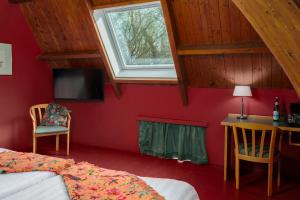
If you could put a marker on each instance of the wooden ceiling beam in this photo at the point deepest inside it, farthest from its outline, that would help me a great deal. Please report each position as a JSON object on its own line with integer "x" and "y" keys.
{"x": 278, "y": 24}
{"x": 102, "y": 51}
{"x": 148, "y": 81}
{"x": 18, "y": 1}
{"x": 297, "y": 3}
{"x": 96, "y": 5}
{"x": 69, "y": 55}
{"x": 223, "y": 49}
{"x": 169, "y": 19}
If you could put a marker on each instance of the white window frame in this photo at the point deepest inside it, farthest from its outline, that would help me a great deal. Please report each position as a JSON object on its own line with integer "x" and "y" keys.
{"x": 119, "y": 68}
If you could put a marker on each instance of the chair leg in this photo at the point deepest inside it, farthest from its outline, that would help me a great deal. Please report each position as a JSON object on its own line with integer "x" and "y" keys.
{"x": 34, "y": 144}
{"x": 270, "y": 179}
{"x": 68, "y": 144}
{"x": 278, "y": 174}
{"x": 279, "y": 161}
{"x": 237, "y": 173}
{"x": 57, "y": 143}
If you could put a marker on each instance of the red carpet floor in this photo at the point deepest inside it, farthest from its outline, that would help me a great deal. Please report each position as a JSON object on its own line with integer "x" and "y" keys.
{"x": 207, "y": 179}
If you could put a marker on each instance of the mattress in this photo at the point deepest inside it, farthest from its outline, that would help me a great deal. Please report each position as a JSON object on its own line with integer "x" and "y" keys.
{"x": 49, "y": 186}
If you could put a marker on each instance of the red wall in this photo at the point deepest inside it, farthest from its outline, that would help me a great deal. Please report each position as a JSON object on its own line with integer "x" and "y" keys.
{"x": 113, "y": 124}
{"x": 29, "y": 84}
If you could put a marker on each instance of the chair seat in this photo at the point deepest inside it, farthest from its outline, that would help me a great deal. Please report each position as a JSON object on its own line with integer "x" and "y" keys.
{"x": 266, "y": 150}
{"x": 50, "y": 129}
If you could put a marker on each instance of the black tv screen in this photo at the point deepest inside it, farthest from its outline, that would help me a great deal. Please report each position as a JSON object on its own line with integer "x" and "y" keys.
{"x": 78, "y": 84}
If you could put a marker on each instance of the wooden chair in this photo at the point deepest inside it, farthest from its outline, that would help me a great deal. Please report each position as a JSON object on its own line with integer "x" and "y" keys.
{"x": 263, "y": 152}
{"x": 36, "y": 112}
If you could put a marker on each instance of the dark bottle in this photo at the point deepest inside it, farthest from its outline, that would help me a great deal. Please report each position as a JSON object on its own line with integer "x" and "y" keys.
{"x": 276, "y": 110}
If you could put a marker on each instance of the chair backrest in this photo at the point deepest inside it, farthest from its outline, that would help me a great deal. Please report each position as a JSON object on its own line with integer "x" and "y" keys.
{"x": 261, "y": 136}
{"x": 36, "y": 113}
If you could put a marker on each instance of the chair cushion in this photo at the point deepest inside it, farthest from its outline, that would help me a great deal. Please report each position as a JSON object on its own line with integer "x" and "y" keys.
{"x": 55, "y": 115}
{"x": 50, "y": 129}
{"x": 257, "y": 149}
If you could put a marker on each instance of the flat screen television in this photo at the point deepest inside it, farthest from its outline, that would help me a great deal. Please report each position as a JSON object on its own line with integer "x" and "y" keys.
{"x": 78, "y": 84}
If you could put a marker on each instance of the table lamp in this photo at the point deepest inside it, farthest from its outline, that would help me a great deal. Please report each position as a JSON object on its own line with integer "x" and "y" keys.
{"x": 242, "y": 91}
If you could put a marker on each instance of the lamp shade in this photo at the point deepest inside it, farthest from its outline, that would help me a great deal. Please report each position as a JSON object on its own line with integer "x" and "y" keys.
{"x": 242, "y": 91}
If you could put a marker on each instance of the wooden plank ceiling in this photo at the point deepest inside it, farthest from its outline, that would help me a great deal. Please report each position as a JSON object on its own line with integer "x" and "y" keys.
{"x": 278, "y": 23}
{"x": 215, "y": 43}
{"x": 62, "y": 26}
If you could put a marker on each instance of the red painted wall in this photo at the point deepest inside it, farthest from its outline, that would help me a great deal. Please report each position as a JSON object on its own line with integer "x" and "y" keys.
{"x": 29, "y": 84}
{"x": 113, "y": 124}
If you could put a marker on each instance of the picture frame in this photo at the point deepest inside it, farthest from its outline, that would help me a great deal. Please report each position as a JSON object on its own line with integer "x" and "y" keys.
{"x": 5, "y": 59}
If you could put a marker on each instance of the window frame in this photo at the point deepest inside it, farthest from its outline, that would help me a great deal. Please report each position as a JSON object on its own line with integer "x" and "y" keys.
{"x": 114, "y": 52}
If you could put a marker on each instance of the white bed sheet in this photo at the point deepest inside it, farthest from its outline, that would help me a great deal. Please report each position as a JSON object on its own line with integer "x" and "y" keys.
{"x": 16, "y": 182}
{"x": 52, "y": 188}
{"x": 172, "y": 189}
{"x": 49, "y": 186}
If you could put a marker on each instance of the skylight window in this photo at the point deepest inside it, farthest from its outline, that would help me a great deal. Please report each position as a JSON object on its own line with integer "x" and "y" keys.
{"x": 136, "y": 41}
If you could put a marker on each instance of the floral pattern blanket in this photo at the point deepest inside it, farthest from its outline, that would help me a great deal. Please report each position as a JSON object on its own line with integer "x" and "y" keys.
{"x": 11, "y": 162}
{"x": 84, "y": 181}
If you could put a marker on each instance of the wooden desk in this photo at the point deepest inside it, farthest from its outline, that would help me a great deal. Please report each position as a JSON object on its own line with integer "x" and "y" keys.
{"x": 268, "y": 120}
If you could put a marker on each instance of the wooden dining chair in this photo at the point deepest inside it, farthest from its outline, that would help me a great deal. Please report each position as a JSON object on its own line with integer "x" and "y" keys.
{"x": 36, "y": 113}
{"x": 256, "y": 143}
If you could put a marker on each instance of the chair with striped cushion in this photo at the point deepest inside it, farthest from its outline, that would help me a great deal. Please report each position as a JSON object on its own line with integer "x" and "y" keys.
{"x": 256, "y": 143}
{"x": 39, "y": 130}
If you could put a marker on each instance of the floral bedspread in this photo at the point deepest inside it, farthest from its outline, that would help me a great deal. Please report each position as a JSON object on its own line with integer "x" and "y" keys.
{"x": 84, "y": 181}
{"x": 12, "y": 161}
{"x": 87, "y": 181}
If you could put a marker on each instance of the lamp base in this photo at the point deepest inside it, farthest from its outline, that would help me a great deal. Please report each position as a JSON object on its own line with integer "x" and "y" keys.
{"x": 242, "y": 117}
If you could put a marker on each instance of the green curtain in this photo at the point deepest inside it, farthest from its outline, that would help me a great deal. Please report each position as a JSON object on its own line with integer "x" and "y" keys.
{"x": 173, "y": 141}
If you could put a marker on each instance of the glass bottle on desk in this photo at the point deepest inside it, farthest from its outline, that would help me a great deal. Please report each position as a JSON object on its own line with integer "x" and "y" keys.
{"x": 276, "y": 110}
{"x": 291, "y": 120}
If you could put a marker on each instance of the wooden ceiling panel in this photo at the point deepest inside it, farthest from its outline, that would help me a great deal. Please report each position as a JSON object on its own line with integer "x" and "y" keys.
{"x": 112, "y": 3}
{"x": 201, "y": 22}
{"x": 106, "y": 2}
{"x": 278, "y": 23}
{"x": 225, "y": 71}
{"x": 61, "y": 25}
{"x": 201, "y": 26}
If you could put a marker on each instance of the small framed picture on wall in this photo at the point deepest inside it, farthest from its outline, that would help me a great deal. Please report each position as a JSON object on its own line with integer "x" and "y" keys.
{"x": 5, "y": 59}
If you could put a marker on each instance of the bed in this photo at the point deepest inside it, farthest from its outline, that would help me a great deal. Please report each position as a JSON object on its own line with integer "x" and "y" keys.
{"x": 49, "y": 186}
